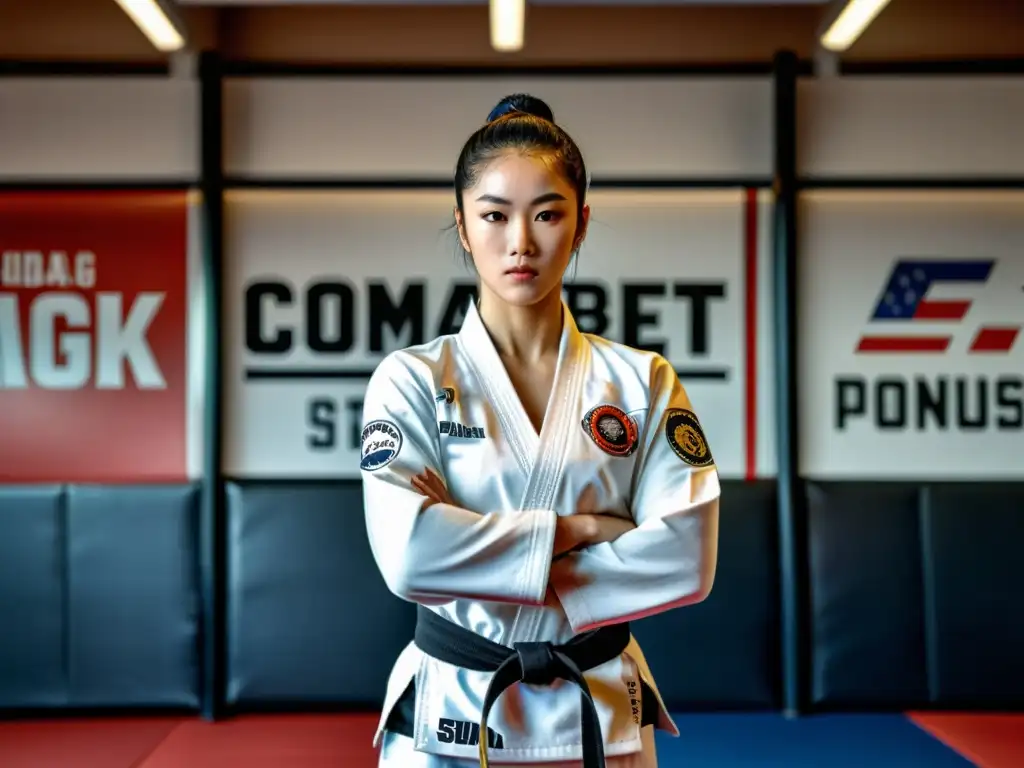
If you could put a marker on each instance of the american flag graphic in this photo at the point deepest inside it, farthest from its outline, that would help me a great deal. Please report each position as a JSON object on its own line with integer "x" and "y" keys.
{"x": 905, "y": 302}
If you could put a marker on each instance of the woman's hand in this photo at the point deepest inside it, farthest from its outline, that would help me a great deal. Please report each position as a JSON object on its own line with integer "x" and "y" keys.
{"x": 575, "y": 532}
{"x": 609, "y": 528}
{"x": 599, "y": 526}
{"x": 431, "y": 486}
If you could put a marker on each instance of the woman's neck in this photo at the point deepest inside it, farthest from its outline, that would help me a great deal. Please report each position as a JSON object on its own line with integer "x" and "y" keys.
{"x": 524, "y": 334}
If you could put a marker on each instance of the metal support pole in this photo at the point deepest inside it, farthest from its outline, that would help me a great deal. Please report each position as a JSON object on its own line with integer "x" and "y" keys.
{"x": 212, "y": 523}
{"x": 791, "y": 497}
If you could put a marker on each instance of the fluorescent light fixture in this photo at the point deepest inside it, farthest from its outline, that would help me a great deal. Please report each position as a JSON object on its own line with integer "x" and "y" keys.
{"x": 851, "y": 22}
{"x": 151, "y": 18}
{"x": 508, "y": 18}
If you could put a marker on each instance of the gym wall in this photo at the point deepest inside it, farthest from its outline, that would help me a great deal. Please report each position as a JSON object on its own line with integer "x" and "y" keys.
{"x": 101, "y": 393}
{"x": 665, "y": 248}
{"x": 335, "y": 251}
{"x": 911, "y": 308}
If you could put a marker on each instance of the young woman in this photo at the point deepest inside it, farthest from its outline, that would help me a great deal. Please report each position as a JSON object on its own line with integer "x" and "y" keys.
{"x": 533, "y": 489}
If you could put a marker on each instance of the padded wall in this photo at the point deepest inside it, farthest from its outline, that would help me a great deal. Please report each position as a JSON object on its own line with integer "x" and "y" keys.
{"x": 916, "y": 595}
{"x": 99, "y": 596}
{"x": 311, "y": 621}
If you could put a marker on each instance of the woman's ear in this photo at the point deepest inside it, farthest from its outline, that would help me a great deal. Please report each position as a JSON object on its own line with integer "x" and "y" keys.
{"x": 460, "y": 226}
{"x": 581, "y": 228}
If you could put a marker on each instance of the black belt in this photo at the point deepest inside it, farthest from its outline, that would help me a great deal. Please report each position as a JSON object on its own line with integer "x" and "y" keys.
{"x": 534, "y": 663}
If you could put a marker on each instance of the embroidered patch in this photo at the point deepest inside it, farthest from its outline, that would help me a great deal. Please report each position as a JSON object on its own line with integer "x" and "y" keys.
{"x": 381, "y": 442}
{"x": 686, "y": 438}
{"x": 611, "y": 429}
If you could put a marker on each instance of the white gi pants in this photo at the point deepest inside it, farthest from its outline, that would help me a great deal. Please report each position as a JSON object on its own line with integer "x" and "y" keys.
{"x": 397, "y": 752}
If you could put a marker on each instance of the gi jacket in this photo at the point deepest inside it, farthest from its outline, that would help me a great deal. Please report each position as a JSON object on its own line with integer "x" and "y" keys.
{"x": 619, "y": 436}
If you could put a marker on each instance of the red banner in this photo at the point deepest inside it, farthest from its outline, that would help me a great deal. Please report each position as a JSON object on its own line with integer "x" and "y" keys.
{"x": 93, "y": 313}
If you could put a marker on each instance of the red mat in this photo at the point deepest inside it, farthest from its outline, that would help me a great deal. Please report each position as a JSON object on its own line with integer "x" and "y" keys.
{"x": 272, "y": 741}
{"x": 82, "y": 743}
{"x": 988, "y": 741}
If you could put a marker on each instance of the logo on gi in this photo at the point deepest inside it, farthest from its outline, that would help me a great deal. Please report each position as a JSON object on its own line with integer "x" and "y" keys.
{"x": 686, "y": 438}
{"x": 381, "y": 442}
{"x": 611, "y": 429}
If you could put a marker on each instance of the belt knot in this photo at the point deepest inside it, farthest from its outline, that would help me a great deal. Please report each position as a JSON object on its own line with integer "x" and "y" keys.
{"x": 538, "y": 661}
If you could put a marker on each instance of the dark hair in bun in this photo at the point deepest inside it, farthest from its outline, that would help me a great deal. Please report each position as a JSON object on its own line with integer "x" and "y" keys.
{"x": 525, "y": 123}
{"x": 523, "y": 103}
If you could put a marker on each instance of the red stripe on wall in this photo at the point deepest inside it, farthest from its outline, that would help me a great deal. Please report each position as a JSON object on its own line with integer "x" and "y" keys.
{"x": 904, "y": 343}
{"x": 751, "y": 282}
{"x": 941, "y": 310}
{"x": 990, "y": 339}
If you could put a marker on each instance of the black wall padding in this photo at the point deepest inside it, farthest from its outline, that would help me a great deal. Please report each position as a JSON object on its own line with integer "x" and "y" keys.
{"x": 916, "y": 595}
{"x": 32, "y": 597}
{"x": 99, "y": 597}
{"x": 133, "y": 607}
{"x": 311, "y": 622}
{"x": 974, "y": 539}
{"x": 310, "y": 619}
{"x": 723, "y": 653}
{"x": 867, "y": 624}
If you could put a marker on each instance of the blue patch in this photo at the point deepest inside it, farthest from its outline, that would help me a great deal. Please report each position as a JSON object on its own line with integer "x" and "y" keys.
{"x": 381, "y": 442}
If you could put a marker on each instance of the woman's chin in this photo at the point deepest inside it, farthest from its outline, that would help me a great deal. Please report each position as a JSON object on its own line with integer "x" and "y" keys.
{"x": 523, "y": 294}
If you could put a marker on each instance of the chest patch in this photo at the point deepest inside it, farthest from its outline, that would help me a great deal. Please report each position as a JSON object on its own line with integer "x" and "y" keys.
{"x": 611, "y": 429}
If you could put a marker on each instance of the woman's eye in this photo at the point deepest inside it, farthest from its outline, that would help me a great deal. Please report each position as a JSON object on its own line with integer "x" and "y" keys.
{"x": 493, "y": 216}
{"x": 548, "y": 216}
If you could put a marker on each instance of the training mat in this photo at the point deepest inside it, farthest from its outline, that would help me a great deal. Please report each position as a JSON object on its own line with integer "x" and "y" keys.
{"x": 988, "y": 740}
{"x": 271, "y": 741}
{"x": 82, "y": 743}
{"x": 820, "y": 741}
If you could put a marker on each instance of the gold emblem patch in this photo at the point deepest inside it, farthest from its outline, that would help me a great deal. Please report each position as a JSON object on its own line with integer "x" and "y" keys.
{"x": 686, "y": 438}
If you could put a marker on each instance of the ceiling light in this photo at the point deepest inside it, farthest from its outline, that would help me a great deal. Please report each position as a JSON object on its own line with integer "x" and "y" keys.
{"x": 850, "y": 23}
{"x": 508, "y": 19}
{"x": 153, "y": 20}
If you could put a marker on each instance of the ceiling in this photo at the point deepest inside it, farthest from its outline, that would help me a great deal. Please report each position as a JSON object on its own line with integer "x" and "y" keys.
{"x": 296, "y": 3}
{"x": 433, "y": 33}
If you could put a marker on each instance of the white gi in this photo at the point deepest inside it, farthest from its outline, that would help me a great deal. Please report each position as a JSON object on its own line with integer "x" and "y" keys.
{"x": 619, "y": 436}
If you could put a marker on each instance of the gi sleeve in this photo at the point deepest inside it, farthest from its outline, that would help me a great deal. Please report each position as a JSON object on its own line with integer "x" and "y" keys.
{"x": 443, "y": 552}
{"x": 669, "y": 559}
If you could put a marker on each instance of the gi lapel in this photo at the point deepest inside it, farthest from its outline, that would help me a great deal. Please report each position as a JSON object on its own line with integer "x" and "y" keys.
{"x": 541, "y": 457}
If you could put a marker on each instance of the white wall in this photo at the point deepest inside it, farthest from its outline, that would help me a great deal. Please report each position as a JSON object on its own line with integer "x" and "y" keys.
{"x": 920, "y": 127}
{"x": 381, "y": 127}
{"x": 111, "y": 128}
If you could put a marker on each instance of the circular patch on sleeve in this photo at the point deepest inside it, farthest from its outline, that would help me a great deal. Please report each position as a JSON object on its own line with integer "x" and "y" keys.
{"x": 611, "y": 429}
{"x": 381, "y": 442}
{"x": 686, "y": 438}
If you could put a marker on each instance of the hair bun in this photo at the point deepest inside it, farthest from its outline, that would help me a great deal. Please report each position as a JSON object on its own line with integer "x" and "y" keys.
{"x": 522, "y": 102}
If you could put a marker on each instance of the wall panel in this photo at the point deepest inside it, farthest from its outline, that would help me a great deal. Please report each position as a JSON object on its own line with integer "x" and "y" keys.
{"x": 125, "y": 129}
{"x": 33, "y": 668}
{"x": 867, "y": 620}
{"x": 388, "y": 127}
{"x": 910, "y": 127}
{"x": 911, "y": 338}
{"x": 356, "y": 257}
{"x": 974, "y": 583}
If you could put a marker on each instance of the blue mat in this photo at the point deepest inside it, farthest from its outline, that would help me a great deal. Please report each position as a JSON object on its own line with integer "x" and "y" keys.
{"x": 821, "y": 741}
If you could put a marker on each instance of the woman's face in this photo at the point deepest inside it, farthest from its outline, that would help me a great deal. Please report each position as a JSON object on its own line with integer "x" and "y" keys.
{"x": 520, "y": 226}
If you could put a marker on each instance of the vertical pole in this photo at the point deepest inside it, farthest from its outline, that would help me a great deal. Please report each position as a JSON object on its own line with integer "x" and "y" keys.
{"x": 212, "y": 524}
{"x": 791, "y": 498}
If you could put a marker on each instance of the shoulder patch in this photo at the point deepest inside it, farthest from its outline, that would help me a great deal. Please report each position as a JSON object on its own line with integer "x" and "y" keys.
{"x": 611, "y": 429}
{"x": 686, "y": 438}
{"x": 381, "y": 441}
